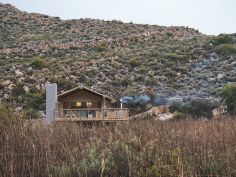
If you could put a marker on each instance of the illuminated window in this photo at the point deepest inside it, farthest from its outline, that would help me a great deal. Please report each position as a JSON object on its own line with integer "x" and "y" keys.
{"x": 78, "y": 104}
{"x": 89, "y": 104}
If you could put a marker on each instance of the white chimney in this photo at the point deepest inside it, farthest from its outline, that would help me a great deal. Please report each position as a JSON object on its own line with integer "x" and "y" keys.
{"x": 121, "y": 103}
{"x": 51, "y": 101}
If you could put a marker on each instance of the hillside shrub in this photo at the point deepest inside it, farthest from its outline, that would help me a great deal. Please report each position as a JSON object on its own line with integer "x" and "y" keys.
{"x": 74, "y": 47}
{"x": 169, "y": 34}
{"x": 175, "y": 56}
{"x": 228, "y": 93}
{"x": 65, "y": 84}
{"x": 1, "y": 86}
{"x": 125, "y": 81}
{"x": 222, "y": 39}
{"x": 101, "y": 48}
{"x": 18, "y": 90}
{"x": 31, "y": 113}
{"x": 134, "y": 63}
{"x": 38, "y": 63}
{"x": 2, "y": 63}
{"x": 35, "y": 101}
{"x": 226, "y": 49}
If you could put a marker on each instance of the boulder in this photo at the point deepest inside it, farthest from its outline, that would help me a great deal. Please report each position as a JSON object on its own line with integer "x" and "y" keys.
{"x": 18, "y": 73}
{"x": 26, "y": 88}
{"x": 165, "y": 116}
{"x": 6, "y": 83}
{"x": 220, "y": 76}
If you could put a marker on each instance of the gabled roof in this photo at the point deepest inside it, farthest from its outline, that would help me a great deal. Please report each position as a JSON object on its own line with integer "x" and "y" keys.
{"x": 74, "y": 90}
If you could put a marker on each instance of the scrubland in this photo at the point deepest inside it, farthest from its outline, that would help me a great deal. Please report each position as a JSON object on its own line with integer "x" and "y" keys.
{"x": 142, "y": 148}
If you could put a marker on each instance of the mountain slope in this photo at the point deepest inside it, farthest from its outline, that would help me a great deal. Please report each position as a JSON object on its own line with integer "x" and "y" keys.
{"x": 113, "y": 57}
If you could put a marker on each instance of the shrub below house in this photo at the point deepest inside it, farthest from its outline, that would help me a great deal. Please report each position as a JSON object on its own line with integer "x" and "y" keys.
{"x": 228, "y": 94}
{"x": 18, "y": 90}
{"x": 34, "y": 101}
{"x": 31, "y": 113}
{"x": 195, "y": 107}
{"x": 180, "y": 115}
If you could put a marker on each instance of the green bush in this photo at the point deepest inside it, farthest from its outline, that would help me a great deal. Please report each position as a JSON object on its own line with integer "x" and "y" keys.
{"x": 74, "y": 47}
{"x": 35, "y": 101}
{"x": 38, "y": 63}
{"x": 64, "y": 84}
{"x": 2, "y": 63}
{"x": 180, "y": 115}
{"x": 175, "y": 56}
{"x": 134, "y": 63}
{"x": 169, "y": 34}
{"x": 18, "y": 90}
{"x": 64, "y": 170}
{"x": 228, "y": 93}
{"x": 101, "y": 48}
{"x": 195, "y": 107}
{"x": 1, "y": 86}
{"x": 31, "y": 113}
{"x": 226, "y": 49}
{"x": 222, "y": 39}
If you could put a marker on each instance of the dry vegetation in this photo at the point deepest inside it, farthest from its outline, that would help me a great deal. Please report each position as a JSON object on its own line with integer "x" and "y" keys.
{"x": 145, "y": 148}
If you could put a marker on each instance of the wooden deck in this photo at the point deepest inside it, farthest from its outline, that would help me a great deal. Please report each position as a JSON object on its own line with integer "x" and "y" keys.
{"x": 92, "y": 115}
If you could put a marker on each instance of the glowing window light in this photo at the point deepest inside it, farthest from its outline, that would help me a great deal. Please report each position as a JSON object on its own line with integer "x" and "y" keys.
{"x": 78, "y": 104}
{"x": 89, "y": 104}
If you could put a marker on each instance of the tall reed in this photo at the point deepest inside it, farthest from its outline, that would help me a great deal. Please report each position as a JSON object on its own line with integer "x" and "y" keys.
{"x": 142, "y": 148}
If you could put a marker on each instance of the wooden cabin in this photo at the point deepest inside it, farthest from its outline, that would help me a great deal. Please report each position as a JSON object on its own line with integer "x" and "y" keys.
{"x": 84, "y": 104}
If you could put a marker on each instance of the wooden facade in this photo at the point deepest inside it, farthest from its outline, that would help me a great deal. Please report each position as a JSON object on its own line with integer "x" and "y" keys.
{"x": 83, "y": 104}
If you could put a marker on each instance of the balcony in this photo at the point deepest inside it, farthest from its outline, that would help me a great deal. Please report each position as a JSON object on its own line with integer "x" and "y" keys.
{"x": 93, "y": 114}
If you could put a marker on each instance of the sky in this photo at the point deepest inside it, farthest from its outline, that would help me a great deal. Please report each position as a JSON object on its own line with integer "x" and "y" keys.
{"x": 210, "y": 17}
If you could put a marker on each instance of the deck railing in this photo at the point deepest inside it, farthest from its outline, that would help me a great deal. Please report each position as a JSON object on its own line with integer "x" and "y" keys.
{"x": 92, "y": 114}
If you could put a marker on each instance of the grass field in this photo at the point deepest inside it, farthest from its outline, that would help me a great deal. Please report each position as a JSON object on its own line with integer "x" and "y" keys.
{"x": 141, "y": 148}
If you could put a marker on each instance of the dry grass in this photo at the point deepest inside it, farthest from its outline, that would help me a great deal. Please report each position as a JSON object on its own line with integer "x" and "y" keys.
{"x": 145, "y": 148}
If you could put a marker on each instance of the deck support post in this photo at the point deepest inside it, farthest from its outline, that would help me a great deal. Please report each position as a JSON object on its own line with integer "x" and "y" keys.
{"x": 104, "y": 102}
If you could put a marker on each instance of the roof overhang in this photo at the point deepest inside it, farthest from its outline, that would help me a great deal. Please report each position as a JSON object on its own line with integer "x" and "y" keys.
{"x": 74, "y": 90}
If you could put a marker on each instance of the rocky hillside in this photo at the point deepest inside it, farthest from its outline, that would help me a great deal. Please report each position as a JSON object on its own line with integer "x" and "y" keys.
{"x": 116, "y": 58}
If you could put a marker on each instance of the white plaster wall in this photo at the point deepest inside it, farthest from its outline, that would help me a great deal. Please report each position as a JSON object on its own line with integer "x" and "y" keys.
{"x": 51, "y": 100}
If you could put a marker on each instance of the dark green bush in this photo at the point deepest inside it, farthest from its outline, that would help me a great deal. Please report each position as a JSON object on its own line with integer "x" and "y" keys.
{"x": 18, "y": 90}
{"x": 2, "y": 63}
{"x": 74, "y": 47}
{"x": 101, "y": 48}
{"x": 169, "y": 34}
{"x": 35, "y": 101}
{"x": 175, "y": 56}
{"x": 228, "y": 94}
{"x": 65, "y": 84}
{"x": 195, "y": 107}
{"x": 1, "y": 86}
{"x": 222, "y": 39}
{"x": 134, "y": 63}
{"x": 226, "y": 49}
{"x": 31, "y": 113}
